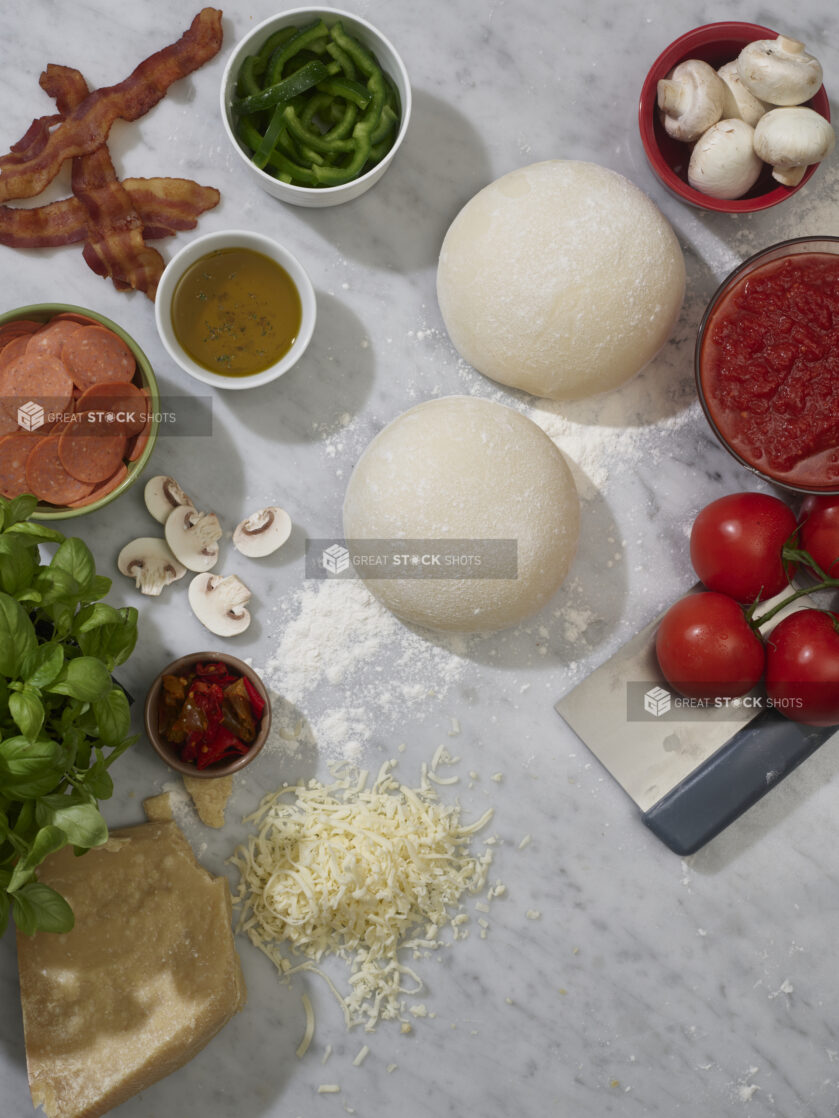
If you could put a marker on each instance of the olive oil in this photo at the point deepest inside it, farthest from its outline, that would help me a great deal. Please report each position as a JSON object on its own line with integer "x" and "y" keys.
{"x": 236, "y": 312}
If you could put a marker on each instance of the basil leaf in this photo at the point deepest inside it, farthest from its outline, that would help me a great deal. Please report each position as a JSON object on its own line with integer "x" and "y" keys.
{"x": 80, "y": 820}
{"x": 74, "y": 557}
{"x": 17, "y": 636}
{"x": 47, "y": 840}
{"x": 113, "y": 716}
{"x": 29, "y": 769}
{"x": 28, "y": 712}
{"x": 99, "y": 586}
{"x": 37, "y": 532}
{"x": 84, "y": 678}
{"x": 5, "y": 907}
{"x": 94, "y": 616}
{"x": 20, "y": 509}
{"x": 17, "y": 565}
{"x": 43, "y": 665}
{"x": 97, "y": 780}
{"x": 38, "y": 907}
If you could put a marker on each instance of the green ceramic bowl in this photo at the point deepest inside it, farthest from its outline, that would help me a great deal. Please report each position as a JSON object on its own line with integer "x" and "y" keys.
{"x": 145, "y": 378}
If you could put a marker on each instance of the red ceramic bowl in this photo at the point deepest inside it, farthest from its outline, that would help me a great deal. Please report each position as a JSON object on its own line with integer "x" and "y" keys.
{"x": 716, "y": 44}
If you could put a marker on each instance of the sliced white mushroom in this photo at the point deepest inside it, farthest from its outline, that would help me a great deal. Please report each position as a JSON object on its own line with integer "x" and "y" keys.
{"x": 150, "y": 562}
{"x": 162, "y": 494}
{"x": 691, "y": 99}
{"x": 219, "y": 603}
{"x": 723, "y": 163}
{"x": 739, "y": 101}
{"x": 791, "y": 139}
{"x": 193, "y": 537}
{"x": 779, "y": 71}
{"x": 262, "y": 532}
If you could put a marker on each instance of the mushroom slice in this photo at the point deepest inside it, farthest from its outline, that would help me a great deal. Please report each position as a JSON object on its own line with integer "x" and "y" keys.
{"x": 162, "y": 494}
{"x": 219, "y": 603}
{"x": 193, "y": 537}
{"x": 150, "y": 562}
{"x": 262, "y": 532}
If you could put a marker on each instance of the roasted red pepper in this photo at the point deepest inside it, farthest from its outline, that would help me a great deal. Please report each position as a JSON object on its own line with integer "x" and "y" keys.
{"x": 210, "y": 714}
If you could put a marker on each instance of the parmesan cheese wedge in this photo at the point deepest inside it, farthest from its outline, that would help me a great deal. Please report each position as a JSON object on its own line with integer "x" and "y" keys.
{"x": 145, "y": 979}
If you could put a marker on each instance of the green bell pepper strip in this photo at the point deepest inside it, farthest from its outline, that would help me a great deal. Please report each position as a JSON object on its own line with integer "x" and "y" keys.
{"x": 316, "y": 106}
{"x": 305, "y": 37}
{"x": 349, "y": 90}
{"x": 311, "y": 138}
{"x": 287, "y": 169}
{"x": 337, "y": 176}
{"x": 346, "y": 63}
{"x": 247, "y": 84}
{"x": 359, "y": 54}
{"x": 344, "y": 126}
{"x": 269, "y": 140}
{"x": 386, "y": 125}
{"x": 283, "y": 91}
{"x": 272, "y": 44}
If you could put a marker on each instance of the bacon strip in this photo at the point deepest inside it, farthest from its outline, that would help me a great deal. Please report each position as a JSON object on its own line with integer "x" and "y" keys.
{"x": 87, "y": 127}
{"x": 114, "y": 246}
{"x": 33, "y": 140}
{"x": 165, "y": 207}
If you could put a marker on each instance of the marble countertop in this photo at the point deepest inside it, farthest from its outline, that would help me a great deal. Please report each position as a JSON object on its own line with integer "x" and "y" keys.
{"x": 613, "y": 977}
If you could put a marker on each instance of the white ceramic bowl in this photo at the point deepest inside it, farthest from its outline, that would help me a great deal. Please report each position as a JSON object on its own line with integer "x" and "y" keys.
{"x": 388, "y": 59}
{"x": 211, "y": 242}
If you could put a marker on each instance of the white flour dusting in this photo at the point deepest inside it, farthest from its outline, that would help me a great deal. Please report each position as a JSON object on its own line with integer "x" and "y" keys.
{"x": 351, "y": 669}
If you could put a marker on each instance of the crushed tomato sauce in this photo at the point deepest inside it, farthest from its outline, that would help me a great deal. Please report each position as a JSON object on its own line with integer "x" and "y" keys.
{"x": 209, "y": 714}
{"x": 769, "y": 369}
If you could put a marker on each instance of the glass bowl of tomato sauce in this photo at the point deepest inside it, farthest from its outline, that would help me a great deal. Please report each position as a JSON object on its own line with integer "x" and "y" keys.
{"x": 767, "y": 364}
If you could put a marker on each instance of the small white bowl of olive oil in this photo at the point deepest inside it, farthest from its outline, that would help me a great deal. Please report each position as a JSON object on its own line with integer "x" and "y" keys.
{"x": 235, "y": 309}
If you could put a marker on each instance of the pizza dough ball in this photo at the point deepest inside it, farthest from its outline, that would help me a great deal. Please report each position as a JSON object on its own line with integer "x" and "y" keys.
{"x": 462, "y": 468}
{"x": 561, "y": 278}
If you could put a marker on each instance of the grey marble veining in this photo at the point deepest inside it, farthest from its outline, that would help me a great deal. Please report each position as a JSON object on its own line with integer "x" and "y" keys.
{"x": 614, "y": 978}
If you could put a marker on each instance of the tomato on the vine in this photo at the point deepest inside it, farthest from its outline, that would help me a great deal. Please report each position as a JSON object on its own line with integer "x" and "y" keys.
{"x": 736, "y": 544}
{"x": 802, "y": 667}
{"x": 819, "y": 532}
{"x": 707, "y": 649}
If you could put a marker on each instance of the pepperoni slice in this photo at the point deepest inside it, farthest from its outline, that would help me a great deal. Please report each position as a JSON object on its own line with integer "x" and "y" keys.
{"x": 47, "y": 478}
{"x": 50, "y": 338}
{"x": 13, "y": 349}
{"x": 88, "y": 455}
{"x": 7, "y": 424}
{"x": 96, "y": 355}
{"x": 73, "y": 316}
{"x": 14, "y": 450}
{"x": 36, "y": 379}
{"x": 103, "y": 489}
{"x": 122, "y": 407}
{"x": 16, "y": 329}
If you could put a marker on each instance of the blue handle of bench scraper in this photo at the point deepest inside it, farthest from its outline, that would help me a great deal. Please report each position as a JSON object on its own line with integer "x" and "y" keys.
{"x": 732, "y": 779}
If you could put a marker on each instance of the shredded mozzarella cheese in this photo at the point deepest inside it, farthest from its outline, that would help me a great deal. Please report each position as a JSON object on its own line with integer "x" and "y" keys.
{"x": 360, "y": 871}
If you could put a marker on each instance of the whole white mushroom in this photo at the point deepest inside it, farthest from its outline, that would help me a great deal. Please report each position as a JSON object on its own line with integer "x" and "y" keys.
{"x": 791, "y": 139}
{"x": 723, "y": 163}
{"x": 779, "y": 71}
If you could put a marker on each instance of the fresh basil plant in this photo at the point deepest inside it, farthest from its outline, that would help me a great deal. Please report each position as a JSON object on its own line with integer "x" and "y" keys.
{"x": 63, "y": 719}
